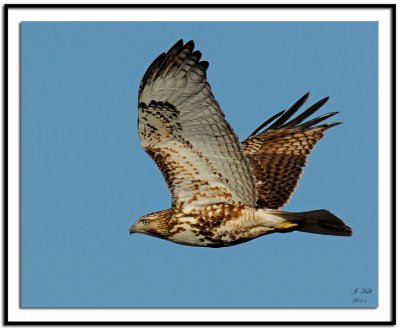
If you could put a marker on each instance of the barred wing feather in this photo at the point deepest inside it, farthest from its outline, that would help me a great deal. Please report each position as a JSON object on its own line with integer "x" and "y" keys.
{"x": 183, "y": 129}
{"x": 278, "y": 154}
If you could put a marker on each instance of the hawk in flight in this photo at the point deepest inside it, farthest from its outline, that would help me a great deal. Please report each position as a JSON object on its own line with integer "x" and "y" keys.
{"x": 223, "y": 192}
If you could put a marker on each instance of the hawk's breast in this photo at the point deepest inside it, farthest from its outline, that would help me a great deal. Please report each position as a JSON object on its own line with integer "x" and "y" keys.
{"x": 216, "y": 225}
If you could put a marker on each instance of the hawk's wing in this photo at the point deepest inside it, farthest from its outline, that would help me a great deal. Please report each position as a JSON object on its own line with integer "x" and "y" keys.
{"x": 278, "y": 154}
{"x": 183, "y": 129}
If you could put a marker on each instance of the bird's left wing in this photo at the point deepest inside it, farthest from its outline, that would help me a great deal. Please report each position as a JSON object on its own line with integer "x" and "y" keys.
{"x": 279, "y": 153}
{"x": 183, "y": 129}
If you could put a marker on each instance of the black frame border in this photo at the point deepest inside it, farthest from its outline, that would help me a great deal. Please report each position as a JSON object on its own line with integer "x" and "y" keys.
{"x": 7, "y": 7}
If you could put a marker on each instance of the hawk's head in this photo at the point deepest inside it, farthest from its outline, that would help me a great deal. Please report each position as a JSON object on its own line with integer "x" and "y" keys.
{"x": 155, "y": 224}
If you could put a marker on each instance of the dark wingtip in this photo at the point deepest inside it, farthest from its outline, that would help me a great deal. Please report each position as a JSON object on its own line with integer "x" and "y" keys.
{"x": 349, "y": 232}
{"x": 319, "y": 104}
{"x": 307, "y": 113}
{"x": 178, "y": 43}
{"x": 333, "y": 124}
{"x": 313, "y": 122}
{"x": 282, "y": 117}
{"x": 344, "y": 230}
{"x": 324, "y": 100}
{"x": 265, "y": 123}
{"x": 293, "y": 109}
{"x": 197, "y": 54}
{"x": 175, "y": 48}
{"x": 204, "y": 65}
{"x": 190, "y": 43}
{"x": 160, "y": 62}
{"x": 304, "y": 98}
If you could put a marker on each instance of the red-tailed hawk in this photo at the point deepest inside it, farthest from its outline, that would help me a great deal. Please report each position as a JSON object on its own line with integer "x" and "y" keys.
{"x": 223, "y": 192}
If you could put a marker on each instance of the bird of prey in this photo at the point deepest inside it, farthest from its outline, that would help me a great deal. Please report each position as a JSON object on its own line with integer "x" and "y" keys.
{"x": 223, "y": 192}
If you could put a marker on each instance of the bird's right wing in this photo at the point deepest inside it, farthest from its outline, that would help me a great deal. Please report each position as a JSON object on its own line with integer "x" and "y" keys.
{"x": 183, "y": 129}
{"x": 278, "y": 154}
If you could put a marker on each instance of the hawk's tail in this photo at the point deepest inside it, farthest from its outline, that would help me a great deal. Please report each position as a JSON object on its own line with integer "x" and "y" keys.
{"x": 316, "y": 221}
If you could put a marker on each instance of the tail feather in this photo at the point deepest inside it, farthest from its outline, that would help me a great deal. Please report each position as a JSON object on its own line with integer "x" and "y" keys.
{"x": 317, "y": 221}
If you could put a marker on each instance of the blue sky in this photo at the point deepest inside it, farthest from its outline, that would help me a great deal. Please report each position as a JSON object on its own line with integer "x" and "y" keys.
{"x": 85, "y": 178}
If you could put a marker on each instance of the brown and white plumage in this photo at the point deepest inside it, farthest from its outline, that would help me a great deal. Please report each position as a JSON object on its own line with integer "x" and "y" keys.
{"x": 183, "y": 129}
{"x": 223, "y": 192}
{"x": 278, "y": 153}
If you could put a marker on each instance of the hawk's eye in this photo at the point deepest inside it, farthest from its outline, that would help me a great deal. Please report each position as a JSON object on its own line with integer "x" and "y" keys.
{"x": 146, "y": 222}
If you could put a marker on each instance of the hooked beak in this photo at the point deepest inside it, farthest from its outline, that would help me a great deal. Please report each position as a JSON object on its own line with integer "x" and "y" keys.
{"x": 132, "y": 229}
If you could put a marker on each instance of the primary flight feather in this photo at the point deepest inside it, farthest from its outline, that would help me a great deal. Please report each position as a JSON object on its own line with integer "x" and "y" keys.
{"x": 223, "y": 192}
